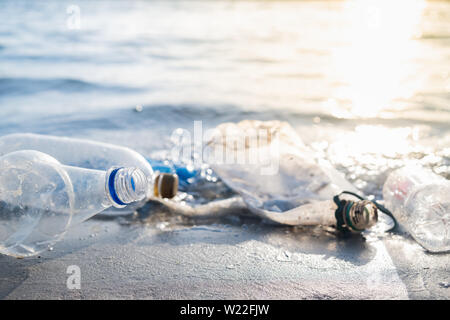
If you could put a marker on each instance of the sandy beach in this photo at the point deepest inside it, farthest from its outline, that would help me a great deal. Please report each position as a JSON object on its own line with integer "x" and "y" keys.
{"x": 231, "y": 259}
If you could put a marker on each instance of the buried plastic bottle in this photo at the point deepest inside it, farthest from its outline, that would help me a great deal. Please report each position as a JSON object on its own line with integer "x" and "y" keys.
{"x": 420, "y": 200}
{"x": 40, "y": 198}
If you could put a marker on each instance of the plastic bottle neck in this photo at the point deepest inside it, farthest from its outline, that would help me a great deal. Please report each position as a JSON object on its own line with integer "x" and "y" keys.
{"x": 126, "y": 185}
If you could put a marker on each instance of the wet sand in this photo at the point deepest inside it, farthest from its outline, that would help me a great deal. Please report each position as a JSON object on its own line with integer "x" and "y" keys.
{"x": 159, "y": 256}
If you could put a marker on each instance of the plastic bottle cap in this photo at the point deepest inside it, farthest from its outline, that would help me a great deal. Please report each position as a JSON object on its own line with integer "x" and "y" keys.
{"x": 166, "y": 185}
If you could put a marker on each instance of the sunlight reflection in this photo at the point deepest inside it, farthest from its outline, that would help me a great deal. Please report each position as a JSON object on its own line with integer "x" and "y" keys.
{"x": 369, "y": 139}
{"x": 373, "y": 69}
{"x": 372, "y": 149}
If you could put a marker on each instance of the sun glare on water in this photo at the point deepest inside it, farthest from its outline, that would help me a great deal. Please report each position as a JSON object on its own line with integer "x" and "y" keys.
{"x": 376, "y": 61}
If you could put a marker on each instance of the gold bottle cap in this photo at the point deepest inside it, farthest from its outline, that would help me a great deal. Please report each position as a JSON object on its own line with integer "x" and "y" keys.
{"x": 360, "y": 215}
{"x": 166, "y": 185}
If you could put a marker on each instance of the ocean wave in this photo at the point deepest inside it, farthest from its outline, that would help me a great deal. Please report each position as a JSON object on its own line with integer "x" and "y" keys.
{"x": 44, "y": 58}
{"x": 172, "y": 116}
{"x": 27, "y": 86}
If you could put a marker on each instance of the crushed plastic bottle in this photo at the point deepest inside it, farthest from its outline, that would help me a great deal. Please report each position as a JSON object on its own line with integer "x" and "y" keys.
{"x": 420, "y": 201}
{"x": 276, "y": 177}
{"x": 93, "y": 155}
{"x": 40, "y": 198}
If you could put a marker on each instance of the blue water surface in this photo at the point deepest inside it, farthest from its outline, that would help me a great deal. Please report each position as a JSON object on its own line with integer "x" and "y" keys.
{"x": 366, "y": 84}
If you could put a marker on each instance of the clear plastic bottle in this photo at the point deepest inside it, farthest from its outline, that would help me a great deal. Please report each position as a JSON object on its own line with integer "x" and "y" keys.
{"x": 40, "y": 198}
{"x": 420, "y": 201}
{"x": 92, "y": 155}
{"x": 76, "y": 152}
{"x": 279, "y": 177}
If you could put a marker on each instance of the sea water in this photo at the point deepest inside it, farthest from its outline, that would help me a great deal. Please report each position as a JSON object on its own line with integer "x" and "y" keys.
{"x": 366, "y": 84}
